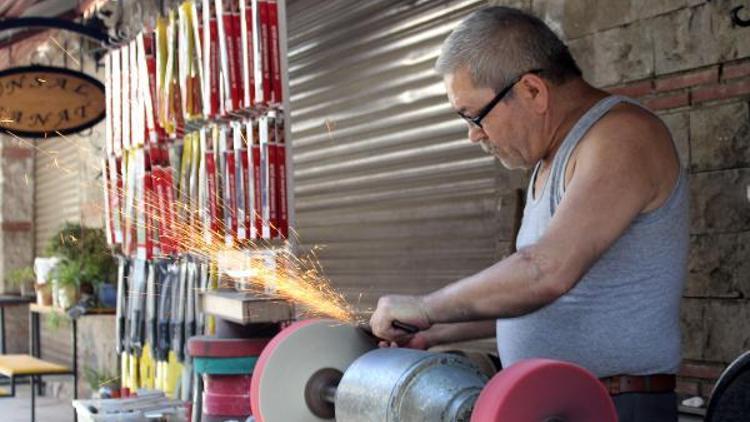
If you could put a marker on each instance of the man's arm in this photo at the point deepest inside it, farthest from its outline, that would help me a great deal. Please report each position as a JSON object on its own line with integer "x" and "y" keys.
{"x": 615, "y": 179}
{"x": 440, "y": 334}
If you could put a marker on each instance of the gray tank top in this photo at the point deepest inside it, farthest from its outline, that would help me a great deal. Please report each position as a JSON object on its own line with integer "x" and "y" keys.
{"x": 623, "y": 315}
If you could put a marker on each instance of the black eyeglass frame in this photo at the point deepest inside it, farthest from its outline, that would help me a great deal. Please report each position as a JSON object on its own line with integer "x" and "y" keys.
{"x": 477, "y": 121}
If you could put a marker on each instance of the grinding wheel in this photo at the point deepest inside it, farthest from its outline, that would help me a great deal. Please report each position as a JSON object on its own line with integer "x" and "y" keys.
{"x": 542, "y": 390}
{"x": 214, "y": 347}
{"x": 300, "y": 354}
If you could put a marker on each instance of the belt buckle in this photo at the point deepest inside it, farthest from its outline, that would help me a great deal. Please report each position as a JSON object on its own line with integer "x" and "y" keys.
{"x": 613, "y": 385}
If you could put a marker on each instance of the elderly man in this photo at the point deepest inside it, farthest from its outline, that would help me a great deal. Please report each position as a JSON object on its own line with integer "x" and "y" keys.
{"x": 602, "y": 250}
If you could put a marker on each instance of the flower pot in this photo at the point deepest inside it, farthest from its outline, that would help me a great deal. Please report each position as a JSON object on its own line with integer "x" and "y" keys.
{"x": 67, "y": 296}
{"x": 27, "y": 289}
{"x": 44, "y": 294}
{"x": 107, "y": 295}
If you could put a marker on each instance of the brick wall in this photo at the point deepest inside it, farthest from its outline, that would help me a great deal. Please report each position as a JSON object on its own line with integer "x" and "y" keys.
{"x": 16, "y": 231}
{"x": 16, "y": 207}
{"x": 707, "y": 110}
{"x": 687, "y": 61}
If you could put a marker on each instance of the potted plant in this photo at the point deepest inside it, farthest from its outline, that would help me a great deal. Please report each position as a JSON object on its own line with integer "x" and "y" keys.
{"x": 21, "y": 279}
{"x": 85, "y": 262}
{"x": 103, "y": 383}
{"x": 66, "y": 283}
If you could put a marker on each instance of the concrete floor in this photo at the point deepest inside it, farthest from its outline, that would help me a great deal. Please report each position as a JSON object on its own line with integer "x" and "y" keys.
{"x": 49, "y": 409}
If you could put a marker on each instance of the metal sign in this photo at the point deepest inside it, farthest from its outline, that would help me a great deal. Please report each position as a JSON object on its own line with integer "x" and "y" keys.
{"x": 43, "y": 101}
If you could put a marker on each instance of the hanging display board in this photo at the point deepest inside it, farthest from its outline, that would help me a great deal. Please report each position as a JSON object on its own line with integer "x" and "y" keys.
{"x": 44, "y": 101}
{"x": 195, "y": 164}
{"x": 196, "y": 138}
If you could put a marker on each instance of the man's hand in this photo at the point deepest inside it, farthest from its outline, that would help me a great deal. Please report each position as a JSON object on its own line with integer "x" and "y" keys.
{"x": 419, "y": 341}
{"x": 406, "y": 309}
{"x": 440, "y": 334}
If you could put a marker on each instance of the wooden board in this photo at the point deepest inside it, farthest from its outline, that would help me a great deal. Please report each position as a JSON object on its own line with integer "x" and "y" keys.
{"x": 247, "y": 308}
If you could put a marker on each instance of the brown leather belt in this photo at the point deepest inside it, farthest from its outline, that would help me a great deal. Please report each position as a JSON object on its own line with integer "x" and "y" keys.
{"x": 657, "y": 383}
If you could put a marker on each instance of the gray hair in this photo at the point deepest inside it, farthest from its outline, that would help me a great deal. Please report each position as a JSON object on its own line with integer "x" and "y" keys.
{"x": 497, "y": 44}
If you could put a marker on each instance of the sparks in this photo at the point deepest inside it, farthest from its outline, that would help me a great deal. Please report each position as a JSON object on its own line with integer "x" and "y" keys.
{"x": 64, "y": 50}
{"x": 330, "y": 127}
{"x": 251, "y": 265}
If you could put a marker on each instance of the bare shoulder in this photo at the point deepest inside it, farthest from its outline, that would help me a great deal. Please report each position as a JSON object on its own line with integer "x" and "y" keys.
{"x": 633, "y": 143}
{"x": 629, "y": 121}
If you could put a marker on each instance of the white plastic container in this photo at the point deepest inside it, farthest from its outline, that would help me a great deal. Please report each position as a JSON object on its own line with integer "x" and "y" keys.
{"x": 42, "y": 267}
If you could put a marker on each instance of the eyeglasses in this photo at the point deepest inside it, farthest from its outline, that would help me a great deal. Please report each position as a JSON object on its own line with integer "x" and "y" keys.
{"x": 477, "y": 121}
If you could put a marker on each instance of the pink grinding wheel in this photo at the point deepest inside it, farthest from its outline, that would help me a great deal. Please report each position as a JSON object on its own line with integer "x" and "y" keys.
{"x": 536, "y": 390}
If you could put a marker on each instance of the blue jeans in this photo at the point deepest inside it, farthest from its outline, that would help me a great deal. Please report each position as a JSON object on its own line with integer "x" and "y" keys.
{"x": 646, "y": 407}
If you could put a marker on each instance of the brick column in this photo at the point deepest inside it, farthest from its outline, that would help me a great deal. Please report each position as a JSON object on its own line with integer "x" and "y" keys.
{"x": 16, "y": 230}
{"x": 16, "y": 206}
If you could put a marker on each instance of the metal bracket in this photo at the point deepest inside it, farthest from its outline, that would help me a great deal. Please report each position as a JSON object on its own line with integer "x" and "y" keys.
{"x": 737, "y": 20}
{"x": 90, "y": 31}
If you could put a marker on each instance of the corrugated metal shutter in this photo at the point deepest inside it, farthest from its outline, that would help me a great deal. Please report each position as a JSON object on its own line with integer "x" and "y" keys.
{"x": 57, "y": 192}
{"x": 67, "y": 182}
{"x": 385, "y": 179}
